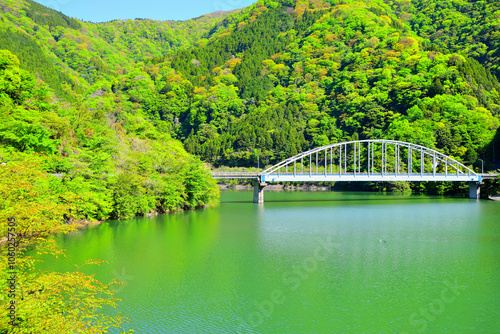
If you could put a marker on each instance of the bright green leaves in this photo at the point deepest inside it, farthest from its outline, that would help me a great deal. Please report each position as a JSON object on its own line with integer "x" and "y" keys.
{"x": 191, "y": 187}
{"x": 130, "y": 197}
{"x": 16, "y": 86}
{"x": 25, "y": 136}
{"x": 106, "y": 169}
{"x": 21, "y": 128}
{"x": 200, "y": 189}
{"x": 8, "y": 60}
{"x": 30, "y": 197}
{"x": 463, "y": 26}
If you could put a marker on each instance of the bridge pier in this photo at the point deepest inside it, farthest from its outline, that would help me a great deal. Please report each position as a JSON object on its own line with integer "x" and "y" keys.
{"x": 474, "y": 190}
{"x": 258, "y": 191}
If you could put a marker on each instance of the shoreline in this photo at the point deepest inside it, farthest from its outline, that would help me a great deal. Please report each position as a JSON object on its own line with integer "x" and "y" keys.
{"x": 83, "y": 223}
{"x": 305, "y": 187}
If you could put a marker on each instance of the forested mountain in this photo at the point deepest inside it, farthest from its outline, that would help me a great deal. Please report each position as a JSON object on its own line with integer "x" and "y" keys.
{"x": 280, "y": 77}
{"x": 69, "y": 55}
{"x": 467, "y": 27}
{"x": 293, "y": 75}
{"x": 111, "y": 159}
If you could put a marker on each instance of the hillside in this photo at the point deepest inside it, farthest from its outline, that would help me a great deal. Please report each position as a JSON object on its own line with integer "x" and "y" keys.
{"x": 54, "y": 116}
{"x": 290, "y": 76}
{"x": 280, "y": 77}
{"x": 467, "y": 27}
{"x": 70, "y": 55}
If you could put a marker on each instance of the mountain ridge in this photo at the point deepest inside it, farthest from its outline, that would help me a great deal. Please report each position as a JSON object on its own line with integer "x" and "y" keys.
{"x": 68, "y": 39}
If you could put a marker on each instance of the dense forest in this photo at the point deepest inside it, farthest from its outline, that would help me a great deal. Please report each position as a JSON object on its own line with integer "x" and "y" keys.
{"x": 280, "y": 77}
{"x": 117, "y": 119}
{"x": 69, "y": 158}
{"x": 63, "y": 166}
{"x": 347, "y": 72}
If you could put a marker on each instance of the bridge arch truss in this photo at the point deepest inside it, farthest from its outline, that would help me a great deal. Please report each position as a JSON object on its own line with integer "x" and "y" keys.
{"x": 370, "y": 160}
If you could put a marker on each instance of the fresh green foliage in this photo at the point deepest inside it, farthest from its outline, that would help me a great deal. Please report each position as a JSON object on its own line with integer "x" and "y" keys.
{"x": 36, "y": 204}
{"x": 33, "y": 59}
{"x": 285, "y": 79}
{"x": 281, "y": 76}
{"x": 42, "y": 15}
{"x": 120, "y": 164}
{"x": 69, "y": 55}
{"x": 466, "y": 27}
{"x": 63, "y": 165}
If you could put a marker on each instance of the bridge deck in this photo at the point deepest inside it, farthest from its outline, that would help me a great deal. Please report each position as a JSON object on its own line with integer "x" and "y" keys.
{"x": 352, "y": 177}
{"x": 489, "y": 176}
{"x": 235, "y": 175}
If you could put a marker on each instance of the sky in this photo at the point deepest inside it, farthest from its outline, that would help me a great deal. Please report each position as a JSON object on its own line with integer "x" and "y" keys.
{"x": 107, "y": 10}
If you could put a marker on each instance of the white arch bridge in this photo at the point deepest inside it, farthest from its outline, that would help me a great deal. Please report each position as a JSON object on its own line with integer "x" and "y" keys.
{"x": 364, "y": 160}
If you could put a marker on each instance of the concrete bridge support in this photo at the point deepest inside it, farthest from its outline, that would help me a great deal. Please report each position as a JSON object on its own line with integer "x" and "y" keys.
{"x": 474, "y": 190}
{"x": 258, "y": 191}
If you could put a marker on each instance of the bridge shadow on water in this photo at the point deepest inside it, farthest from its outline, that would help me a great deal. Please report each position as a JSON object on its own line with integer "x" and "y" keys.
{"x": 345, "y": 200}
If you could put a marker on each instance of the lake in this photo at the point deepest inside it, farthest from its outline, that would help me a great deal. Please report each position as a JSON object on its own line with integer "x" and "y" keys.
{"x": 304, "y": 262}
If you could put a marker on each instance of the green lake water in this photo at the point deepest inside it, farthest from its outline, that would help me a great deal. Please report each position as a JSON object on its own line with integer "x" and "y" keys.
{"x": 304, "y": 262}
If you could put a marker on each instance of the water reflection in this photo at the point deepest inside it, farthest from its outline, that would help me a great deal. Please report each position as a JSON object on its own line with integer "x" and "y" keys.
{"x": 266, "y": 269}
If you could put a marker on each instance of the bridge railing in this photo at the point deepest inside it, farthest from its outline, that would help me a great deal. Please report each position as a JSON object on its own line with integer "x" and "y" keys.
{"x": 369, "y": 174}
{"x": 235, "y": 175}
